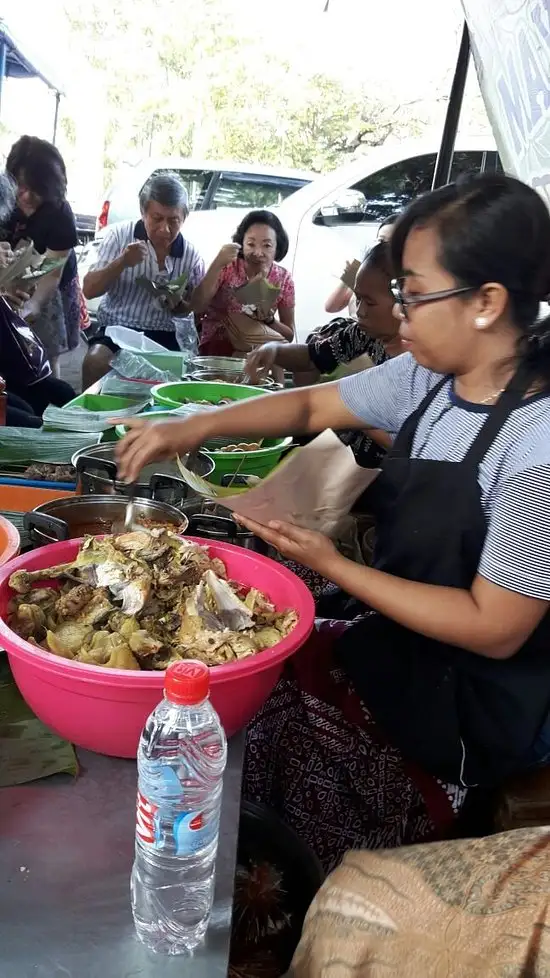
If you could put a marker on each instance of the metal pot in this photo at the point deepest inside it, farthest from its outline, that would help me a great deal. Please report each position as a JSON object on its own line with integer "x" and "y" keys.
{"x": 97, "y": 471}
{"x": 213, "y": 527}
{"x": 65, "y": 519}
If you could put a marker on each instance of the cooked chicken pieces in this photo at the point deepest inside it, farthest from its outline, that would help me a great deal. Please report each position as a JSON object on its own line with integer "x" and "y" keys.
{"x": 141, "y": 600}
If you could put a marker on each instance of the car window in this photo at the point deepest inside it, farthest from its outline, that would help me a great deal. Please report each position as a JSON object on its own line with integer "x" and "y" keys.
{"x": 252, "y": 192}
{"x": 382, "y": 194}
{"x": 196, "y": 183}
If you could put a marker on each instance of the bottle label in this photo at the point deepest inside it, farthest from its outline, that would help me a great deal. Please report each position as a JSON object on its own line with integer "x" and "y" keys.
{"x": 191, "y": 831}
{"x": 146, "y": 820}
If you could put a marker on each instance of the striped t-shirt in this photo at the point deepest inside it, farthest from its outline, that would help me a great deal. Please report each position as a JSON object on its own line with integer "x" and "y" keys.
{"x": 514, "y": 476}
{"x": 128, "y": 304}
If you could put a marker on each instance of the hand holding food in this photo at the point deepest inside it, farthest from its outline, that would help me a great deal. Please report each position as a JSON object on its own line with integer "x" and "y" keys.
{"x": 17, "y": 298}
{"x": 227, "y": 254}
{"x": 307, "y": 547}
{"x": 135, "y": 254}
{"x": 261, "y": 361}
{"x": 147, "y": 442}
{"x": 349, "y": 274}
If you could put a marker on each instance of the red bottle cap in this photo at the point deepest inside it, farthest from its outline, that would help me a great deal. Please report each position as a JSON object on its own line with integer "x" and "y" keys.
{"x": 187, "y": 682}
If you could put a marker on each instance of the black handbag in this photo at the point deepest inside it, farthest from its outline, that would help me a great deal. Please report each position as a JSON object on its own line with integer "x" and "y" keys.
{"x": 23, "y": 359}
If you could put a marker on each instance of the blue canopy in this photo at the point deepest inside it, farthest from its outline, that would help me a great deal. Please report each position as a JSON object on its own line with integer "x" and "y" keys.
{"x": 17, "y": 61}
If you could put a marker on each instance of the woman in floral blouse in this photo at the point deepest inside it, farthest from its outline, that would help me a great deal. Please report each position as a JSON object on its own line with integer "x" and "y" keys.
{"x": 259, "y": 244}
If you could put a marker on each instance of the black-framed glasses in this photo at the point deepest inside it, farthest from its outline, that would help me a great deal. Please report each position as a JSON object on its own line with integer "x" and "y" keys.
{"x": 404, "y": 301}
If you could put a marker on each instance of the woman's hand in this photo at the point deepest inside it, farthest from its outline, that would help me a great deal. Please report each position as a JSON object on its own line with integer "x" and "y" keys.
{"x": 30, "y": 310}
{"x": 306, "y": 547}
{"x": 227, "y": 254}
{"x": 16, "y": 299}
{"x": 153, "y": 442}
{"x": 261, "y": 361}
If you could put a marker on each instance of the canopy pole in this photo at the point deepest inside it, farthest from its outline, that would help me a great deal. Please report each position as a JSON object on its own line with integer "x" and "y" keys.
{"x": 56, "y": 116}
{"x": 3, "y": 60}
{"x": 442, "y": 174}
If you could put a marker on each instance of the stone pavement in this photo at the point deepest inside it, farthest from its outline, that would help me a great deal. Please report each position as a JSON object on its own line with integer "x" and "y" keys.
{"x": 71, "y": 366}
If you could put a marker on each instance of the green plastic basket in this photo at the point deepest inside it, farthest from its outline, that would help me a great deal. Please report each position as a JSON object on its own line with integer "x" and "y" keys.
{"x": 259, "y": 462}
{"x": 174, "y": 395}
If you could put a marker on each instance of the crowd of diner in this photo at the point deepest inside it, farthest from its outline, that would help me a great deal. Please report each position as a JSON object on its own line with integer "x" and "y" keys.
{"x": 428, "y": 675}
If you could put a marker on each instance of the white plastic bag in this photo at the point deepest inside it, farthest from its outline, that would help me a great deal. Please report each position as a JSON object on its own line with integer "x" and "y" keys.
{"x": 133, "y": 339}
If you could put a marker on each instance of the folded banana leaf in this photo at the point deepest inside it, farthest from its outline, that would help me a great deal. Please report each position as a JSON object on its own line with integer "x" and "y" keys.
{"x": 258, "y": 293}
{"x": 22, "y": 259}
{"x": 27, "y": 268}
{"x": 176, "y": 286}
{"x": 28, "y": 750}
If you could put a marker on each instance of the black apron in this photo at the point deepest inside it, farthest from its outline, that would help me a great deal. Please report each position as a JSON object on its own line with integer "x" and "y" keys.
{"x": 463, "y": 717}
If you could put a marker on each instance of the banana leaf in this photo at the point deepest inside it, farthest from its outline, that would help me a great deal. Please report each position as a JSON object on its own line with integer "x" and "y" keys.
{"x": 28, "y": 750}
{"x": 22, "y": 259}
{"x": 27, "y": 268}
{"x": 175, "y": 287}
{"x": 260, "y": 294}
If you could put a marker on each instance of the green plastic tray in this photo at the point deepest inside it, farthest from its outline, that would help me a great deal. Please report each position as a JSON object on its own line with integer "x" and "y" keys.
{"x": 173, "y": 362}
{"x": 102, "y": 402}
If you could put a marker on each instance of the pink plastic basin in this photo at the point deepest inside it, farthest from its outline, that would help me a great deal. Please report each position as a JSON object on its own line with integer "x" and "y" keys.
{"x": 104, "y": 710}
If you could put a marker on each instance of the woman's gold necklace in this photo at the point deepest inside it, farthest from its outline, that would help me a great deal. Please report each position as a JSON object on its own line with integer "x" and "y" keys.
{"x": 491, "y": 397}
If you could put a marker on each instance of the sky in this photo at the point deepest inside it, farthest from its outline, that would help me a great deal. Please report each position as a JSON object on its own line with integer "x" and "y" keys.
{"x": 388, "y": 45}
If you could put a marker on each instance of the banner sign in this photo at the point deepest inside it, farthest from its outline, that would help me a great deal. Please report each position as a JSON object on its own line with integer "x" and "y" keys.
{"x": 511, "y": 48}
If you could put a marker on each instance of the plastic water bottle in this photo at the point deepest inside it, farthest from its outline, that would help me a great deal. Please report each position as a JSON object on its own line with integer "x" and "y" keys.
{"x": 181, "y": 760}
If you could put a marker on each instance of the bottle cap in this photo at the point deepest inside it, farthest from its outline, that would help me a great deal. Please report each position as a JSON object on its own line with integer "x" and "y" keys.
{"x": 187, "y": 682}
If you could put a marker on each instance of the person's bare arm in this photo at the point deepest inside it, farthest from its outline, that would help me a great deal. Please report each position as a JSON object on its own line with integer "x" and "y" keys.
{"x": 285, "y": 323}
{"x": 488, "y": 620}
{"x": 306, "y": 410}
{"x": 45, "y": 287}
{"x": 98, "y": 281}
{"x": 339, "y": 299}
{"x": 205, "y": 291}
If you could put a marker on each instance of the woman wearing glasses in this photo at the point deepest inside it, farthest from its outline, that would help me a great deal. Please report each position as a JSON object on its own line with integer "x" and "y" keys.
{"x": 377, "y": 728}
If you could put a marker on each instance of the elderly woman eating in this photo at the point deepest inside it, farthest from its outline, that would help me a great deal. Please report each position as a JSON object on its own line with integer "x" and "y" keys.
{"x": 230, "y": 325}
{"x": 131, "y": 257}
{"x": 378, "y": 727}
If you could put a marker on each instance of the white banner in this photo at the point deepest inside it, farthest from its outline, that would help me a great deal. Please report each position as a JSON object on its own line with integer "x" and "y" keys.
{"x": 511, "y": 48}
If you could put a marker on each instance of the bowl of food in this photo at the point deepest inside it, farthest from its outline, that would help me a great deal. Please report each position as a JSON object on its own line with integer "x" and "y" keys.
{"x": 90, "y": 625}
{"x": 201, "y": 392}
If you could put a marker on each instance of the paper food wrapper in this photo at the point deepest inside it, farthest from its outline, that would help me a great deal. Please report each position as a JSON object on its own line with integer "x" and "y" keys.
{"x": 350, "y": 273}
{"x": 313, "y": 487}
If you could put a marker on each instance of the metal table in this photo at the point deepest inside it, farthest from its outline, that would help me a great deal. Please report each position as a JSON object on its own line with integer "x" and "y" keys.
{"x": 66, "y": 851}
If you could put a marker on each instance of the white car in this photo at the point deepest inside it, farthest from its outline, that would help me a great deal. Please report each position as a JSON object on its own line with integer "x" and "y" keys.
{"x": 336, "y": 217}
{"x": 209, "y": 185}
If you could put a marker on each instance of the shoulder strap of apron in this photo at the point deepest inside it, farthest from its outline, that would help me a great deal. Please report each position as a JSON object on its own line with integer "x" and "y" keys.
{"x": 403, "y": 443}
{"x": 508, "y": 400}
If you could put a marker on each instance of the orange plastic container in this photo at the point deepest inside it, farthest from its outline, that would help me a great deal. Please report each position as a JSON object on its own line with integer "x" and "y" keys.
{"x": 10, "y": 540}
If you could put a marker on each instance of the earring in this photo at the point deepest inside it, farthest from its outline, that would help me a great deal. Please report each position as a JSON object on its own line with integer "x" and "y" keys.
{"x": 480, "y": 322}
